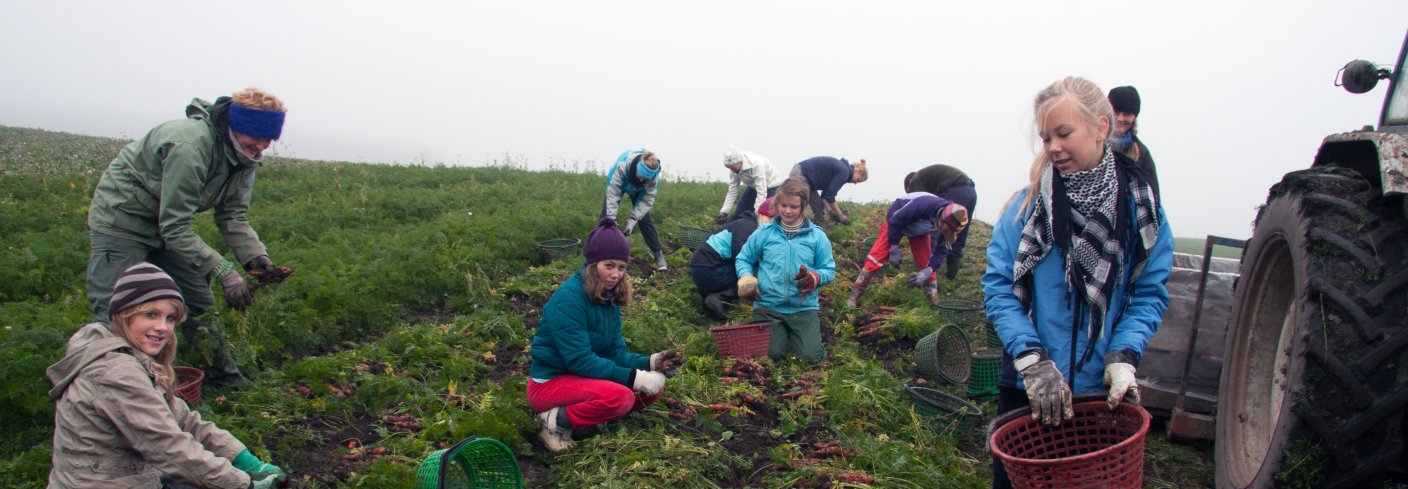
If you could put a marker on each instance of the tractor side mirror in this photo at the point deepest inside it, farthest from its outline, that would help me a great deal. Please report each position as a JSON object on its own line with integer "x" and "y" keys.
{"x": 1360, "y": 76}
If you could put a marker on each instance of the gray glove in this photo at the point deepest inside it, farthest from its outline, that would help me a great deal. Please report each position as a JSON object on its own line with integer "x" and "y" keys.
{"x": 667, "y": 362}
{"x": 1046, "y": 388}
{"x": 237, "y": 293}
{"x": 630, "y": 226}
{"x": 895, "y": 256}
{"x": 921, "y": 277}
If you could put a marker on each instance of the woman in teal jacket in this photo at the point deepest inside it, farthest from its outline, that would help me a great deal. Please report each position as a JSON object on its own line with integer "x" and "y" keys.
{"x": 1076, "y": 265}
{"x": 782, "y": 265}
{"x": 582, "y": 374}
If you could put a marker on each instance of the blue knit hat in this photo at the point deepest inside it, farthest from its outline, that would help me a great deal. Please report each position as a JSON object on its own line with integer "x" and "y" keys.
{"x": 606, "y": 243}
{"x": 259, "y": 123}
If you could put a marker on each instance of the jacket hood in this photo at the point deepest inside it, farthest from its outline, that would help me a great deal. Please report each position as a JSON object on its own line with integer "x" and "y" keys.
{"x": 86, "y": 346}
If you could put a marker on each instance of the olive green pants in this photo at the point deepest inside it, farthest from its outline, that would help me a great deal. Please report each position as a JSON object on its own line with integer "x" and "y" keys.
{"x": 798, "y": 333}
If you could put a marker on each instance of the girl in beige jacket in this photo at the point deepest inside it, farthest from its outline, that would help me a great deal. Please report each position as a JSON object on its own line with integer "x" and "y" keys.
{"x": 117, "y": 423}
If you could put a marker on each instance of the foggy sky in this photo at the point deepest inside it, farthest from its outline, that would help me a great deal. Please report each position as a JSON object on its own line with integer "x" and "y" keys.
{"x": 1235, "y": 94}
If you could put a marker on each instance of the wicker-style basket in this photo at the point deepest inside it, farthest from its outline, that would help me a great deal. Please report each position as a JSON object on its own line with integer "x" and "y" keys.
{"x": 964, "y": 313}
{"x": 1098, "y": 448}
{"x": 188, "y": 382}
{"x": 943, "y": 356}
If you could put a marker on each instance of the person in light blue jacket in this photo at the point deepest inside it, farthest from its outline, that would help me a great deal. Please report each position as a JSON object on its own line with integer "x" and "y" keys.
{"x": 1076, "y": 265}
{"x": 636, "y": 173}
{"x": 781, "y": 266}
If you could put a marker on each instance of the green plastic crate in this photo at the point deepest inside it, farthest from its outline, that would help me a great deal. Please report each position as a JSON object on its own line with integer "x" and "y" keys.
{"x": 472, "y": 463}
{"x": 964, "y": 313}
{"x": 987, "y": 367}
{"x": 948, "y": 412}
{"x": 943, "y": 356}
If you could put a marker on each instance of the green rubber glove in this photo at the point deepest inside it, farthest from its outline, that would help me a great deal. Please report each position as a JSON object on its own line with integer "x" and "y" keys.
{"x": 251, "y": 465}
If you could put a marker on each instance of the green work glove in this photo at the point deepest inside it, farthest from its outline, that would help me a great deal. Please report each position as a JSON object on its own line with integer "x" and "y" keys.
{"x": 256, "y": 468}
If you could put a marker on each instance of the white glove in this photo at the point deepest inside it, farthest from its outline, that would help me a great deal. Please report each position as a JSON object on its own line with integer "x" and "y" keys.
{"x": 1046, "y": 388}
{"x": 649, "y": 383}
{"x": 1119, "y": 375}
{"x": 630, "y": 226}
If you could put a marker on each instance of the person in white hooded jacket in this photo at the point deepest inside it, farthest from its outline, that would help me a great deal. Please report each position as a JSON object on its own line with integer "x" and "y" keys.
{"x": 755, "y": 174}
{"x": 117, "y": 422}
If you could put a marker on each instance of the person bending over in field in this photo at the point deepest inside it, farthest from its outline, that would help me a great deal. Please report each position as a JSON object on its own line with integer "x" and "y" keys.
{"x": 955, "y": 186}
{"x": 636, "y": 174}
{"x": 781, "y": 267}
{"x": 712, "y": 268}
{"x": 758, "y": 177}
{"x": 581, "y": 373}
{"x": 931, "y": 223}
{"x": 117, "y": 422}
{"x": 145, "y": 205}
{"x": 824, "y": 177}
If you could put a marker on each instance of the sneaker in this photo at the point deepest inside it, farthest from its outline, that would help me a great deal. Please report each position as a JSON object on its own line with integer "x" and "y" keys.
{"x": 714, "y": 306}
{"x": 556, "y": 438}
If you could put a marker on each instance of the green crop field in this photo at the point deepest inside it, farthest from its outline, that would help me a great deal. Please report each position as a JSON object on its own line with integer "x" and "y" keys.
{"x": 406, "y": 324}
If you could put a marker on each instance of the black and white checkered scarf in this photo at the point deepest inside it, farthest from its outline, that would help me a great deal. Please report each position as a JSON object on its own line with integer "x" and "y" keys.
{"x": 1084, "y": 213}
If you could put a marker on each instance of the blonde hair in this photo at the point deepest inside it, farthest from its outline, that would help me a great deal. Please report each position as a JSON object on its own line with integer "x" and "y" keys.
{"x": 165, "y": 375}
{"x": 596, "y": 288}
{"x": 257, "y": 98}
{"x": 1090, "y": 103}
{"x": 859, "y": 166}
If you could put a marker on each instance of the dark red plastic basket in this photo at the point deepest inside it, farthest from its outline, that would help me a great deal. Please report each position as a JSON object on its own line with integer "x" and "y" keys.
{"x": 1098, "y": 448}
{"x": 188, "y": 380}
{"x": 743, "y": 340}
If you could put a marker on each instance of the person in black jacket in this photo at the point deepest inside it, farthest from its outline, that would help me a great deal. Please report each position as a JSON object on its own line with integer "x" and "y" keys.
{"x": 1125, "y": 137}
{"x": 712, "y": 268}
{"x": 955, "y": 186}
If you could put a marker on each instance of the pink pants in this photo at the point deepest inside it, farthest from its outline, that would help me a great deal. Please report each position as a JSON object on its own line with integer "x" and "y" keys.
{"x": 587, "y": 401}
{"x": 880, "y": 252}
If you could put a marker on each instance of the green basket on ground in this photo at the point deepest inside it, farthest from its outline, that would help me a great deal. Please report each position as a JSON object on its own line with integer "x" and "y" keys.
{"x": 556, "y": 249}
{"x": 949, "y": 412}
{"x": 692, "y": 238}
{"x": 472, "y": 463}
{"x": 865, "y": 244}
{"x": 964, "y": 313}
{"x": 987, "y": 367}
{"x": 943, "y": 356}
{"x": 993, "y": 341}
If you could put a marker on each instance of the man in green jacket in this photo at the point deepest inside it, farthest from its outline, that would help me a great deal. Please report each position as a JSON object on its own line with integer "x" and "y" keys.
{"x": 146, "y": 201}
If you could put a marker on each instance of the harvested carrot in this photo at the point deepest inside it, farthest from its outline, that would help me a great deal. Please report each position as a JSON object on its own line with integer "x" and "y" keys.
{"x": 834, "y": 451}
{"x": 854, "y": 477}
{"x": 681, "y": 416}
{"x": 866, "y": 332}
{"x": 721, "y": 407}
{"x": 672, "y": 402}
{"x": 729, "y": 380}
{"x": 798, "y": 393}
{"x": 885, "y": 309}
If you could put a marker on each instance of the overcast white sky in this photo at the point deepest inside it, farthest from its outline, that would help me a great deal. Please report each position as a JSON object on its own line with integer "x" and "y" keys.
{"x": 1234, "y": 93}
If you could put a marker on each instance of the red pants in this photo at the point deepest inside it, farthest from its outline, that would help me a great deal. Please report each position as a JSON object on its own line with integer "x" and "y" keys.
{"x": 587, "y": 401}
{"x": 880, "y": 251}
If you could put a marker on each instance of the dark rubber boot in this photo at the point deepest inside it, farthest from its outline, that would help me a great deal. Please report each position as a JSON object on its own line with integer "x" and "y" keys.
{"x": 952, "y": 268}
{"x": 207, "y": 343}
{"x": 714, "y": 307}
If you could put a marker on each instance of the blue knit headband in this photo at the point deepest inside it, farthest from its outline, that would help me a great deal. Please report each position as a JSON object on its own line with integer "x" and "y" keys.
{"x": 259, "y": 123}
{"x": 645, "y": 172}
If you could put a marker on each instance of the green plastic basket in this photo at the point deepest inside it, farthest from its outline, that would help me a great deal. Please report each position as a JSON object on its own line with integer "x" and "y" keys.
{"x": 964, "y": 313}
{"x": 472, "y": 463}
{"x": 987, "y": 367}
{"x": 949, "y": 412}
{"x": 555, "y": 249}
{"x": 692, "y": 238}
{"x": 990, "y": 332}
{"x": 865, "y": 244}
{"x": 943, "y": 356}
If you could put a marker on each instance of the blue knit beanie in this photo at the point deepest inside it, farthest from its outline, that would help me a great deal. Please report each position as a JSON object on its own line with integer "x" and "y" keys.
{"x": 606, "y": 243}
{"x": 259, "y": 123}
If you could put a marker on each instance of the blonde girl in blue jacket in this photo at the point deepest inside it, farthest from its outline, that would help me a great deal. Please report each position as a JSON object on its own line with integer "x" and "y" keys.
{"x": 1076, "y": 265}
{"x": 782, "y": 265}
